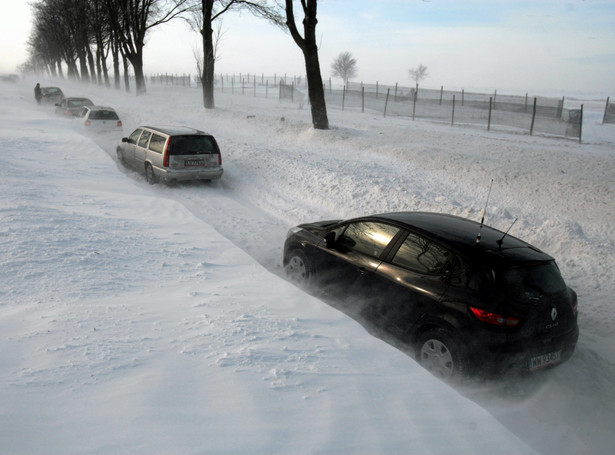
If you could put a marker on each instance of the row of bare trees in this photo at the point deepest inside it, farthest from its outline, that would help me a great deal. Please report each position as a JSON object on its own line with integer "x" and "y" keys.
{"x": 83, "y": 34}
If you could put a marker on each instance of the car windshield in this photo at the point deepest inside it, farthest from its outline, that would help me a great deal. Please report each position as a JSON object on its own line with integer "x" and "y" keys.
{"x": 530, "y": 280}
{"x": 192, "y": 145}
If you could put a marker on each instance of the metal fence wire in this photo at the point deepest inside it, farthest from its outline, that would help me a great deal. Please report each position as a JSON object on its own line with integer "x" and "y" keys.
{"x": 523, "y": 113}
{"x": 532, "y": 115}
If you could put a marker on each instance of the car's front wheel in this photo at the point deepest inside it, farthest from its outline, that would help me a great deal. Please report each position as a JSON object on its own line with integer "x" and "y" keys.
{"x": 120, "y": 156}
{"x": 298, "y": 268}
{"x": 441, "y": 355}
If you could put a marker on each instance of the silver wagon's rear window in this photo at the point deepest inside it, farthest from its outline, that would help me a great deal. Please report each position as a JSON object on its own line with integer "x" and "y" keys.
{"x": 192, "y": 145}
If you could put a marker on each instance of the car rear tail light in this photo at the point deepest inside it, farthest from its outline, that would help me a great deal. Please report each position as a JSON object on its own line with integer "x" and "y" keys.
{"x": 219, "y": 159}
{"x": 574, "y": 305}
{"x": 494, "y": 318}
{"x": 87, "y": 123}
{"x": 119, "y": 123}
{"x": 165, "y": 157}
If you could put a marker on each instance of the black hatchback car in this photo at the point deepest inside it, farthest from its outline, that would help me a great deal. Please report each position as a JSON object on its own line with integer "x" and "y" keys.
{"x": 467, "y": 298}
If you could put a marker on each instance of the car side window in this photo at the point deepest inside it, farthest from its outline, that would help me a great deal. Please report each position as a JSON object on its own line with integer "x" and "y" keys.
{"x": 367, "y": 237}
{"x": 459, "y": 272}
{"x": 134, "y": 137}
{"x": 156, "y": 143}
{"x": 421, "y": 255}
{"x": 144, "y": 139}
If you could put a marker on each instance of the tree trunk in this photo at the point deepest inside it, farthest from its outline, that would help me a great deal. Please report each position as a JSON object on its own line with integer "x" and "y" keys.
{"x": 308, "y": 45}
{"x": 94, "y": 77}
{"x": 136, "y": 60}
{"x": 115, "y": 51}
{"x": 126, "y": 74}
{"x": 316, "y": 90}
{"x": 207, "y": 74}
{"x": 83, "y": 66}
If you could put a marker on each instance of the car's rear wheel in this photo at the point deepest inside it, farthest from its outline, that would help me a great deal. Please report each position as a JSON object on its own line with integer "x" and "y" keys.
{"x": 298, "y": 268}
{"x": 149, "y": 174}
{"x": 441, "y": 355}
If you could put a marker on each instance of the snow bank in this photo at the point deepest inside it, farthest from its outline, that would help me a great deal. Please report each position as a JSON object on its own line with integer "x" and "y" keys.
{"x": 152, "y": 319}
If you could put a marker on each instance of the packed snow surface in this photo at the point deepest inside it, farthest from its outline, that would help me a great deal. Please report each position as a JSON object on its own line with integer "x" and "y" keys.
{"x": 156, "y": 319}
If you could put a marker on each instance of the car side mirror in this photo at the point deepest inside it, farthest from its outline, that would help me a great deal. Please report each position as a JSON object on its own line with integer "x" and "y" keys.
{"x": 124, "y": 139}
{"x": 330, "y": 240}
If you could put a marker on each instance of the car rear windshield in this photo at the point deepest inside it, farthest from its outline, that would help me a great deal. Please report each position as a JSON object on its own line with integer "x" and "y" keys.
{"x": 76, "y": 103}
{"x": 103, "y": 115}
{"x": 192, "y": 145}
{"x": 536, "y": 278}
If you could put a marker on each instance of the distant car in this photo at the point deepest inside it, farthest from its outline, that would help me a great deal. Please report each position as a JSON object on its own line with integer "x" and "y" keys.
{"x": 171, "y": 153}
{"x": 464, "y": 303}
{"x": 52, "y": 95}
{"x": 99, "y": 119}
{"x": 72, "y": 106}
{"x": 12, "y": 78}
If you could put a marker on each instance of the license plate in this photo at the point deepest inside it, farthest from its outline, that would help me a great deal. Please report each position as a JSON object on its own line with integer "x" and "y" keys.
{"x": 194, "y": 163}
{"x": 545, "y": 360}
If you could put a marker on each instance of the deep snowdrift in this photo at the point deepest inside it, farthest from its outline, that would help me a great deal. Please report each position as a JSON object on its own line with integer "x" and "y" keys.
{"x": 150, "y": 319}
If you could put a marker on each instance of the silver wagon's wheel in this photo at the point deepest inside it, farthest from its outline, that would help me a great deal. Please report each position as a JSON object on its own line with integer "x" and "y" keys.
{"x": 149, "y": 174}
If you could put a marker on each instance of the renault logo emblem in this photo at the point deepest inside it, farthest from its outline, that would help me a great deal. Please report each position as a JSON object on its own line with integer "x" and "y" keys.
{"x": 553, "y": 314}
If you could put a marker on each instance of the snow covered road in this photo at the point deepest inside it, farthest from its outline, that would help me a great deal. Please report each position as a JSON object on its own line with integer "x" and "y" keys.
{"x": 280, "y": 172}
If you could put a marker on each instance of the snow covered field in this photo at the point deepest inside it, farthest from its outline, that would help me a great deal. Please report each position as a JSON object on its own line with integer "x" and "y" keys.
{"x": 155, "y": 319}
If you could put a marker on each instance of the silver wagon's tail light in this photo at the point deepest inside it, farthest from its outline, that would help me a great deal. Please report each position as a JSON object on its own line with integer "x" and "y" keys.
{"x": 165, "y": 156}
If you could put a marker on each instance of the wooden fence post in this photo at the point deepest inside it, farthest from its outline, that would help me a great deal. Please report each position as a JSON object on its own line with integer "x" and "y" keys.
{"x": 453, "y": 116}
{"x": 533, "y": 118}
{"x": 489, "y": 121}
{"x": 606, "y": 109}
{"x": 386, "y": 102}
{"x": 362, "y": 99}
{"x": 581, "y": 124}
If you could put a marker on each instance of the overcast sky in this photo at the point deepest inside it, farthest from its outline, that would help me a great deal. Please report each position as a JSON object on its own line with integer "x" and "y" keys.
{"x": 542, "y": 47}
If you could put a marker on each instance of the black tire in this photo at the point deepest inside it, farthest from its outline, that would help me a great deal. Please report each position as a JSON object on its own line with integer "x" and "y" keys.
{"x": 439, "y": 353}
{"x": 149, "y": 174}
{"x": 298, "y": 268}
{"x": 120, "y": 157}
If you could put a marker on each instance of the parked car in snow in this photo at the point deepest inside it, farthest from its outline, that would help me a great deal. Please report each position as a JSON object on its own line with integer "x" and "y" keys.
{"x": 171, "y": 153}
{"x": 72, "y": 106}
{"x": 99, "y": 119}
{"x": 464, "y": 303}
{"x": 51, "y": 95}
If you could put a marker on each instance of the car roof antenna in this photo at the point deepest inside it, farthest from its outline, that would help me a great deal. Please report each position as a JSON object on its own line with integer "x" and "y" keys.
{"x": 482, "y": 221}
{"x": 499, "y": 242}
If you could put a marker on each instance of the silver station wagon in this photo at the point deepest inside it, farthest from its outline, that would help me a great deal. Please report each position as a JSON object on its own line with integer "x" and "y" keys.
{"x": 171, "y": 153}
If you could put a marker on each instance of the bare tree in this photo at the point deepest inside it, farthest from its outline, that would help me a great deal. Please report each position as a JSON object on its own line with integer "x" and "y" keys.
{"x": 203, "y": 19}
{"x": 344, "y": 66}
{"x": 307, "y": 44}
{"x": 131, "y": 20}
{"x": 418, "y": 74}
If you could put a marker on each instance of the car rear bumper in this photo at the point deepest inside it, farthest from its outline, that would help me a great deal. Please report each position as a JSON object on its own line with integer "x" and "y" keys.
{"x": 177, "y": 175}
{"x": 523, "y": 356}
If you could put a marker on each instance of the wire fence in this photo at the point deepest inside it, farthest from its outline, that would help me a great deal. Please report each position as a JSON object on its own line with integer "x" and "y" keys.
{"x": 530, "y": 115}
